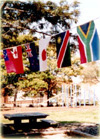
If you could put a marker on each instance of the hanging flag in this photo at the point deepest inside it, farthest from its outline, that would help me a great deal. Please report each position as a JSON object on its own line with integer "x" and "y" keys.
{"x": 89, "y": 44}
{"x": 32, "y": 56}
{"x": 63, "y": 49}
{"x": 13, "y": 60}
{"x": 43, "y": 43}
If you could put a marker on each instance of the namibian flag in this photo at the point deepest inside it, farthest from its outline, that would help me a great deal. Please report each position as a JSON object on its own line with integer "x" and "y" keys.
{"x": 89, "y": 44}
{"x": 63, "y": 49}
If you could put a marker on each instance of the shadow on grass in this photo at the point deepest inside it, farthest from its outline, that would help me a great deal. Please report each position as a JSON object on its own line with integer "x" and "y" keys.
{"x": 90, "y": 128}
{"x": 24, "y": 129}
{"x": 68, "y": 122}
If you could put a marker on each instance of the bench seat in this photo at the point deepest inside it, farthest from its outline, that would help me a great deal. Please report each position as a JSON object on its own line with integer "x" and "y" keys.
{"x": 49, "y": 122}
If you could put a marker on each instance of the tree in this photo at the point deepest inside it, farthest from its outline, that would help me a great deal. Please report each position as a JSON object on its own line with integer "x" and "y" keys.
{"x": 19, "y": 18}
{"x": 34, "y": 16}
{"x": 32, "y": 83}
{"x": 91, "y": 72}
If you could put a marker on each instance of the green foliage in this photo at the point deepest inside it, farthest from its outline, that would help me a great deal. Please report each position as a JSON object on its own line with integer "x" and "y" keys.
{"x": 22, "y": 39}
{"x": 35, "y": 82}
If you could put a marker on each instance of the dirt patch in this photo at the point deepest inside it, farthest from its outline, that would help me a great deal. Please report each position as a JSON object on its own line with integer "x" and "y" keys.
{"x": 45, "y": 109}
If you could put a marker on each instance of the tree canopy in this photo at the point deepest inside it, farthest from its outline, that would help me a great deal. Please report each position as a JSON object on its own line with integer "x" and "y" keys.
{"x": 35, "y": 17}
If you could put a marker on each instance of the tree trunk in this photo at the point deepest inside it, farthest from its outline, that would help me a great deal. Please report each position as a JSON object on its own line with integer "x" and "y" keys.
{"x": 15, "y": 97}
{"x": 6, "y": 99}
{"x": 48, "y": 96}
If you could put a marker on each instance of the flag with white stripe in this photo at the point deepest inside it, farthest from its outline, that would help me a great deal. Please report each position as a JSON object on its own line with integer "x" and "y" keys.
{"x": 89, "y": 44}
{"x": 43, "y": 43}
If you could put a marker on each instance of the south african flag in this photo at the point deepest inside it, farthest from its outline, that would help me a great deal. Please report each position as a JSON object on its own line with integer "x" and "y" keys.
{"x": 89, "y": 44}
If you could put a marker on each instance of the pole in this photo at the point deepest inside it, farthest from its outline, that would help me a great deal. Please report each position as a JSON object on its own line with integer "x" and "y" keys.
{"x": 79, "y": 96}
{"x": 67, "y": 100}
{"x": 84, "y": 97}
{"x": 94, "y": 96}
{"x": 71, "y": 95}
{"x": 62, "y": 95}
{"x": 75, "y": 95}
{"x": 89, "y": 95}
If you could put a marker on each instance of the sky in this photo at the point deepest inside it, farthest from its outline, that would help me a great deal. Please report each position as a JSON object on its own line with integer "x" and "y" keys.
{"x": 90, "y": 10}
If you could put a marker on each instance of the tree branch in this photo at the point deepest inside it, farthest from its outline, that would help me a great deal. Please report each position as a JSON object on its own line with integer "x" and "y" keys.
{"x": 8, "y": 8}
{"x": 19, "y": 27}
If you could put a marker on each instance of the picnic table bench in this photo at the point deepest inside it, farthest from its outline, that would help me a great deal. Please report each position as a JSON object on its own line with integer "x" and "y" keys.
{"x": 32, "y": 117}
{"x": 49, "y": 122}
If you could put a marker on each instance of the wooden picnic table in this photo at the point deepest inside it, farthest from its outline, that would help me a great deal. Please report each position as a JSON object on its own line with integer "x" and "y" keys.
{"x": 32, "y": 117}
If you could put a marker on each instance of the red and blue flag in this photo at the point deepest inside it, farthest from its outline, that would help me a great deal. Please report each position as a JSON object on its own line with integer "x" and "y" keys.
{"x": 13, "y": 60}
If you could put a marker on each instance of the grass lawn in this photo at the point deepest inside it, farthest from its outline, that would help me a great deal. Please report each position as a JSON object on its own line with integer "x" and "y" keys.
{"x": 70, "y": 115}
{"x": 88, "y": 116}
